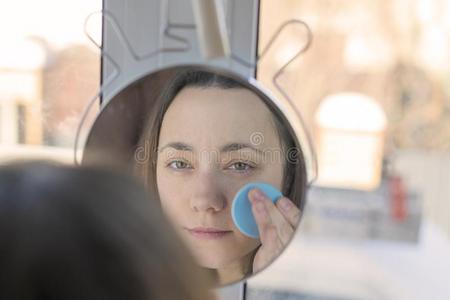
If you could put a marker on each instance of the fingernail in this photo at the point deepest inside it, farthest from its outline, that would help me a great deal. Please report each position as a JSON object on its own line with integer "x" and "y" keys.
{"x": 285, "y": 204}
{"x": 258, "y": 194}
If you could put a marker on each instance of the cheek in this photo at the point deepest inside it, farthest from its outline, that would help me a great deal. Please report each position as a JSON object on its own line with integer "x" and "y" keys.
{"x": 245, "y": 244}
{"x": 170, "y": 196}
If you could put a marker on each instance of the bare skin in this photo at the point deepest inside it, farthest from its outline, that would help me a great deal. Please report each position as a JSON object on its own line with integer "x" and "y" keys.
{"x": 207, "y": 152}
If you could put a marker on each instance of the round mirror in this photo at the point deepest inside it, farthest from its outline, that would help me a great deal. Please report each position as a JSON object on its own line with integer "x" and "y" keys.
{"x": 195, "y": 136}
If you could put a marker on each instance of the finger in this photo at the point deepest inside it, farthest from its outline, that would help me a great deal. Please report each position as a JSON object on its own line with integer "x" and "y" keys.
{"x": 272, "y": 215}
{"x": 270, "y": 241}
{"x": 271, "y": 247}
{"x": 261, "y": 215}
{"x": 289, "y": 210}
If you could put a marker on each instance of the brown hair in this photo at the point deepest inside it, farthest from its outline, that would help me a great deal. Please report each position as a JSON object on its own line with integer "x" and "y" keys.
{"x": 294, "y": 177}
{"x": 84, "y": 233}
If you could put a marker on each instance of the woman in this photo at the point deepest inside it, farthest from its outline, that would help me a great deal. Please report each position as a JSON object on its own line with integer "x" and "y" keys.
{"x": 209, "y": 136}
{"x": 71, "y": 233}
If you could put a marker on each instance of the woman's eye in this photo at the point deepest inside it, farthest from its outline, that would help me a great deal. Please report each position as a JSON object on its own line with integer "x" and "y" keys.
{"x": 240, "y": 166}
{"x": 179, "y": 165}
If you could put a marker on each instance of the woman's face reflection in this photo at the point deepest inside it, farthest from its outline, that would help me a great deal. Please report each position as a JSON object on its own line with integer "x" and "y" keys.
{"x": 212, "y": 142}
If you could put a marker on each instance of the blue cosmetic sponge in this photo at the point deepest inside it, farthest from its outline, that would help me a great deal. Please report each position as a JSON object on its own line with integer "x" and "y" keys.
{"x": 241, "y": 209}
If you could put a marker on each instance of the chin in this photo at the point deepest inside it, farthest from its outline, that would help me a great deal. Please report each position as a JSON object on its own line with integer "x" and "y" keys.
{"x": 215, "y": 262}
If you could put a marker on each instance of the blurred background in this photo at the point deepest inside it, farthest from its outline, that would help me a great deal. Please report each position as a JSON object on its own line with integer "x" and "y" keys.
{"x": 49, "y": 70}
{"x": 374, "y": 90}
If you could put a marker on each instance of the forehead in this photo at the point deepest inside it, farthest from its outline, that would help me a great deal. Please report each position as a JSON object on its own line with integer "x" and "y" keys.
{"x": 216, "y": 116}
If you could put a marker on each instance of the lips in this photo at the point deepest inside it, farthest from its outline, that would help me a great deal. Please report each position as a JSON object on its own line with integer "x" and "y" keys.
{"x": 208, "y": 233}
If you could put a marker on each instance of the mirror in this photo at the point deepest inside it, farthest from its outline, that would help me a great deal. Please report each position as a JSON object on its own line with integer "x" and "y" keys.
{"x": 195, "y": 135}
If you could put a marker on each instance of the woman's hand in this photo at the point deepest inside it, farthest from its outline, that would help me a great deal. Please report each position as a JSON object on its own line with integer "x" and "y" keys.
{"x": 276, "y": 225}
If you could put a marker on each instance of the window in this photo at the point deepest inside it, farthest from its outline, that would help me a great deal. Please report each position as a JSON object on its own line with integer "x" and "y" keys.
{"x": 49, "y": 70}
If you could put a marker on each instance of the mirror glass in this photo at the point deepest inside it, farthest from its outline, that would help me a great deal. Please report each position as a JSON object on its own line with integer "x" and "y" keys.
{"x": 195, "y": 135}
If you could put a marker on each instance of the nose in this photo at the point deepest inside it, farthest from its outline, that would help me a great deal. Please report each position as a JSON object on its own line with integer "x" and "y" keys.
{"x": 207, "y": 195}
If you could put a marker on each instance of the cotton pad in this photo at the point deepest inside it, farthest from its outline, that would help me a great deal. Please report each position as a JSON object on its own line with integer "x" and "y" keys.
{"x": 241, "y": 209}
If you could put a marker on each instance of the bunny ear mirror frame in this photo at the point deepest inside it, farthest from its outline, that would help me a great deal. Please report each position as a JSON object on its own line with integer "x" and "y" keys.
{"x": 196, "y": 135}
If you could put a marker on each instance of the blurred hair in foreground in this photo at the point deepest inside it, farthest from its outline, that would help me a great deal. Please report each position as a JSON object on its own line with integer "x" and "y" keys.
{"x": 86, "y": 233}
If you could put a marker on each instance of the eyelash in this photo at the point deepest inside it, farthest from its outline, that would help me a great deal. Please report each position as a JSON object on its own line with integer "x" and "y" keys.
{"x": 169, "y": 165}
{"x": 248, "y": 165}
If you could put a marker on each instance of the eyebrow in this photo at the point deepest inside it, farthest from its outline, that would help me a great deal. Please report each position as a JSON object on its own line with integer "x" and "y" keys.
{"x": 177, "y": 146}
{"x": 239, "y": 146}
{"x": 227, "y": 148}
